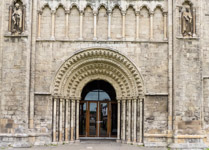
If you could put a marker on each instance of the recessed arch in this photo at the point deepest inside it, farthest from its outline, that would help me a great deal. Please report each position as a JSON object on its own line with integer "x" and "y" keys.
{"x": 98, "y": 64}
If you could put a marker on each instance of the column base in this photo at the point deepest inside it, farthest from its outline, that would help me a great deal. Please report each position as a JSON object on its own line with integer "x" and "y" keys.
{"x": 124, "y": 141}
{"x": 140, "y": 144}
{"x": 71, "y": 142}
{"x": 66, "y": 142}
{"x": 77, "y": 141}
{"x": 129, "y": 142}
{"x": 118, "y": 141}
{"x": 94, "y": 38}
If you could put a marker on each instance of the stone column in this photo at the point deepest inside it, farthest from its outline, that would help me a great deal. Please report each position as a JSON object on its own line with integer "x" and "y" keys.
{"x": 95, "y": 25}
{"x": 67, "y": 12}
{"x": 137, "y": 25}
{"x": 165, "y": 25}
{"x": 54, "y": 119}
{"x": 81, "y": 25}
{"x": 124, "y": 120}
{"x": 39, "y": 24}
{"x": 66, "y": 121}
{"x": 72, "y": 120}
{"x": 141, "y": 120}
{"x": 134, "y": 120}
{"x": 129, "y": 121}
{"x": 124, "y": 25}
{"x": 77, "y": 120}
{"x": 10, "y": 19}
{"x": 53, "y": 24}
{"x": 118, "y": 131}
{"x": 151, "y": 26}
{"x": 60, "y": 121}
{"x": 109, "y": 25}
{"x": 194, "y": 22}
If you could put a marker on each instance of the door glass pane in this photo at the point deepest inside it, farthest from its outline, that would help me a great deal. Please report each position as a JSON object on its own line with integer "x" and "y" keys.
{"x": 103, "y": 119}
{"x": 93, "y": 118}
{"x": 82, "y": 121}
{"x": 103, "y": 96}
{"x": 114, "y": 119}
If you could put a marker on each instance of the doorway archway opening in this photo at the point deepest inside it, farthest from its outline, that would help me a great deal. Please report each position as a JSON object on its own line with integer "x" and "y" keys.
{"x": 98, "y": 110}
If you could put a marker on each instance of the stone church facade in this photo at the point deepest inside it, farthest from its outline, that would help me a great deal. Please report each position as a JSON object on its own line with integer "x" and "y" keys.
{"x": 136, "y": 71}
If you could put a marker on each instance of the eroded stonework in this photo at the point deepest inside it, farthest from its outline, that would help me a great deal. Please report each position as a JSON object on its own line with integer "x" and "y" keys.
{"x": 153, "y": 52}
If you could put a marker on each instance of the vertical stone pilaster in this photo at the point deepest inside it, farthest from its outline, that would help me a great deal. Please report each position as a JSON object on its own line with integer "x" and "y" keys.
{"x": 39, "y": 24}
{"x": 95, "y": 25}
{"x": 72, "y": 120}
{"x": 165, "y": 25}
{"x": 129, "y": 121}
{"x": 60, "y": 120}
{"x": 81, "y": 25}
{"x": 109, "y": 24}
{"x": 67, "y": 12}
{"x": 134, "y": 121}
{"x": 77, "y": 120}
{"x": 137, "y": 25}
{"x": 194, "y": 22}
{"x": 151, "y": 25}
{"x": 118, "y": 130}
{"x": 141, "y": 120}
{"x": 53, "y": 24}
{"x": 54, "y": 119}
{"x": 66, "y": 120}
{"x": 124, "y": 120}
{"x": 124, "y": 25}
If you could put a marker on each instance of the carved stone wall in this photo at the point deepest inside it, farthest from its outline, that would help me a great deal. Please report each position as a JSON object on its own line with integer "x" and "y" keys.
{"x": 173, "y": 66}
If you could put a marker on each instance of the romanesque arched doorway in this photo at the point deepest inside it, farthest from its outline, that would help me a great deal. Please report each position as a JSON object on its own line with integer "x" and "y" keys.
{"x": 98, "y": 70}
{"x": 98, "y": 110}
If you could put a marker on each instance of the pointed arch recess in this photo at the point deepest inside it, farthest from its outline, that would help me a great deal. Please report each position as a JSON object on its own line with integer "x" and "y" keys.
{"x": 98, "y": 63}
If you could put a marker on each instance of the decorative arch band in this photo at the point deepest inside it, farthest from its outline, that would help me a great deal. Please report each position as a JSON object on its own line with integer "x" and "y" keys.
{"x": 98, "y": 63}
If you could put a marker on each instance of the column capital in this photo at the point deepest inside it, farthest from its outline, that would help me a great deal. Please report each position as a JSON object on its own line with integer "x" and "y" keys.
{"x": 53, "y": 12}
{"x": 151, "y": 13}
{"x": 165, "y": 13}
{"x": 123, "y": 13}
{"x": 81, "y": 13}
{"x": 95, "y": 13}
{"x": 137, "y": 13}
{"x": 40, "y": 12}
{"x": 109, "y": 12}
{"x": 67, "y": 11}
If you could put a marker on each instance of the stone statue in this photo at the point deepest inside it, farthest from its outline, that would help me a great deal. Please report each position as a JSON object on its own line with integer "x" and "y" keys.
{"x": 187, "y": 23}
{"x": 17, "y": 17}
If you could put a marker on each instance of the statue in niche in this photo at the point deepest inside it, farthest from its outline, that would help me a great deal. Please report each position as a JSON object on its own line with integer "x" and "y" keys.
{"x": 187, "y": 21}
{"x": 16, "y": 24}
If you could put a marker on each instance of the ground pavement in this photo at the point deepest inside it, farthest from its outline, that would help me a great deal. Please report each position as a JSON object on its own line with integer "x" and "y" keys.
{"x": 90, "y": 145}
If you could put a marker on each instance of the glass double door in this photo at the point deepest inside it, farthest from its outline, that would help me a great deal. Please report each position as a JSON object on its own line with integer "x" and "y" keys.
{"x": 96, "y": 119}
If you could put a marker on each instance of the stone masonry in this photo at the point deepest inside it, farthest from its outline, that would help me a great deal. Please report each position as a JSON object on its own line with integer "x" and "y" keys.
{"x": 155, "y": 53}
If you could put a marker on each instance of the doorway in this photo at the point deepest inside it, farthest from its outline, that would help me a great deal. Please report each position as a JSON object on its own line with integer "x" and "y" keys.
{"x": 98, "y": 110}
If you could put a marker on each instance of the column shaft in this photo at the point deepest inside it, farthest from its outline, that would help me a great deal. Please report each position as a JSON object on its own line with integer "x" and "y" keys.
{"x": 54, "y": 119}
{"x": 109, "y": 25}
{"x": 124, "y": 121}
{"x": 124, "y": 26}
{"x": 137, "y": 26}
{"x": 66, "y": 120}
{"x": 77, "y": 120}
{"x": 39, "y": 24}
{"x": 129, "y": 121}
{"x": 134, "y": 120}
{"x": 53, "y": 23}
{"x": 194, "y": 22}
{"x": 81, "y": 25}
{"x": 95, "y": 26}
{"x": 141, "y": 123}
{"x": 165, "y": 26}
{"x": 72, "y": 119}
{"x": 118, "y": 131}
{"x": 60, "y": 121}
{"x": 66, "y": 24}
{"x": 151, "y": 26}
